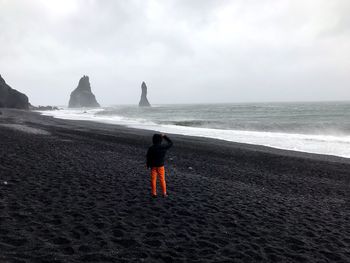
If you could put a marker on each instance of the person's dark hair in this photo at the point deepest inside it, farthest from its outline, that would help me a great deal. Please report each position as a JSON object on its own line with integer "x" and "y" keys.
{"x": 157, "y": 139}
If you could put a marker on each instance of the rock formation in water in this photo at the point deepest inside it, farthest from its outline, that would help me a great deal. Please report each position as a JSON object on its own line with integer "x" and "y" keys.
{"x": 144, "y": 101}
{"x": 11, "y": 98}
{"x": 82, "y": 95}
{"x": 43, "y": 108}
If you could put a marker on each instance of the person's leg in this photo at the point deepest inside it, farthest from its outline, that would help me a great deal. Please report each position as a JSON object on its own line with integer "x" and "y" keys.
{"x": 161, "y": 172}
{"x": 154, "y": 181}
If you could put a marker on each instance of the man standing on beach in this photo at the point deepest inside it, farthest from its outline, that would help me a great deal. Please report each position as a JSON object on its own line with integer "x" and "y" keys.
{"x": 155, "y": 161}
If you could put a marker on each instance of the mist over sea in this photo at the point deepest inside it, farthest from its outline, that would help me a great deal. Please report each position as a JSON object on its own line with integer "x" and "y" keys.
{"x": 322, "y": 128}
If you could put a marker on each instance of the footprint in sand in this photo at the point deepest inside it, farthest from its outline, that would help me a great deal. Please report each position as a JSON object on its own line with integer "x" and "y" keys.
{"x": 127, "y": 243}
{"x": 60, "y": 241}
{"x": 16, "y": 242}
{"x": 153, "y": 242}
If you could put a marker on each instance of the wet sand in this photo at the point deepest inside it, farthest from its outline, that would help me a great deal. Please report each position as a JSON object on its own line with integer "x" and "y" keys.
{"x": 74, "y": 191}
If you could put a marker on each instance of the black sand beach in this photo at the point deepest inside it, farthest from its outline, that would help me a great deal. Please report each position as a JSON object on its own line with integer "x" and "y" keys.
{"x": 79, "y": 192}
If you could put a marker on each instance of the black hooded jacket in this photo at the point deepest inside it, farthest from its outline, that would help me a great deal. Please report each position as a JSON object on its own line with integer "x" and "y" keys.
{"x": 156, "y": 153}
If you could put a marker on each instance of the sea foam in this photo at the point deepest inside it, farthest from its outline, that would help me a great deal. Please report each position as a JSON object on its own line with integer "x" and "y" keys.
{"x": 310, "y": 143}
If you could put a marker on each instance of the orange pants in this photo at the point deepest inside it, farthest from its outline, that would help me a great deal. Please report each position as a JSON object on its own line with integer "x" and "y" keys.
{"x": 161, "y": 172}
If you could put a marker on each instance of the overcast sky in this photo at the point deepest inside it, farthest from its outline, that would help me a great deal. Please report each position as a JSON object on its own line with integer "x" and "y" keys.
{"x": 185, "y": 50}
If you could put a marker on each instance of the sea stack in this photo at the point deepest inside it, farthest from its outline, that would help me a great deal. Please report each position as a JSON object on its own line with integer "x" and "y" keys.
{"x": 11, "y": 98}
{"x": 144, "y": 101}
{"x": 82, "y": 96}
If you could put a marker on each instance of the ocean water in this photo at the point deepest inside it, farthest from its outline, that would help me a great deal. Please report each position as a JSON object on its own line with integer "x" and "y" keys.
{"x": 322, "y": 128}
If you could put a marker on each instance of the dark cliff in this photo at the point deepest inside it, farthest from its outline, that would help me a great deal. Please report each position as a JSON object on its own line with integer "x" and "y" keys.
{"x": 11, "y": 98}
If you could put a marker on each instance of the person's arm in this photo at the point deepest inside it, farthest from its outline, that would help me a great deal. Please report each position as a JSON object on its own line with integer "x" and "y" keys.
{"x": 169, "y": 142}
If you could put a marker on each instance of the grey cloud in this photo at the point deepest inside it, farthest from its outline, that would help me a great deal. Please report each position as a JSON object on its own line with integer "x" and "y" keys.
{"x": 186, "y": 51}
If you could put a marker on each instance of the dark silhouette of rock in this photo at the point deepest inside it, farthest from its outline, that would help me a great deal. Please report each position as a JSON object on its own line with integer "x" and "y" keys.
{"x": 144, "y": 101}
{"x": 82, "y": 95}
{"x": 11, "y": 98}
{"x": 44, "y": 108}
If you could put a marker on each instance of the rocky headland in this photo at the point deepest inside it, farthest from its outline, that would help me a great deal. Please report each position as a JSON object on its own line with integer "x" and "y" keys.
{"x": 11, "y": 98}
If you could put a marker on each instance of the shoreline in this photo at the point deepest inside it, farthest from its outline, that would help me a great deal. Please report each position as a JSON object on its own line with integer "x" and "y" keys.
{"x": 78, "y": 191}
{"x": 329, "y": 145}
{"x": 244, "y": 144}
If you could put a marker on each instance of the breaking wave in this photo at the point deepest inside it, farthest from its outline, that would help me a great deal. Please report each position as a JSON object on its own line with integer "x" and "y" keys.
{"x": 327, "y": 144}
